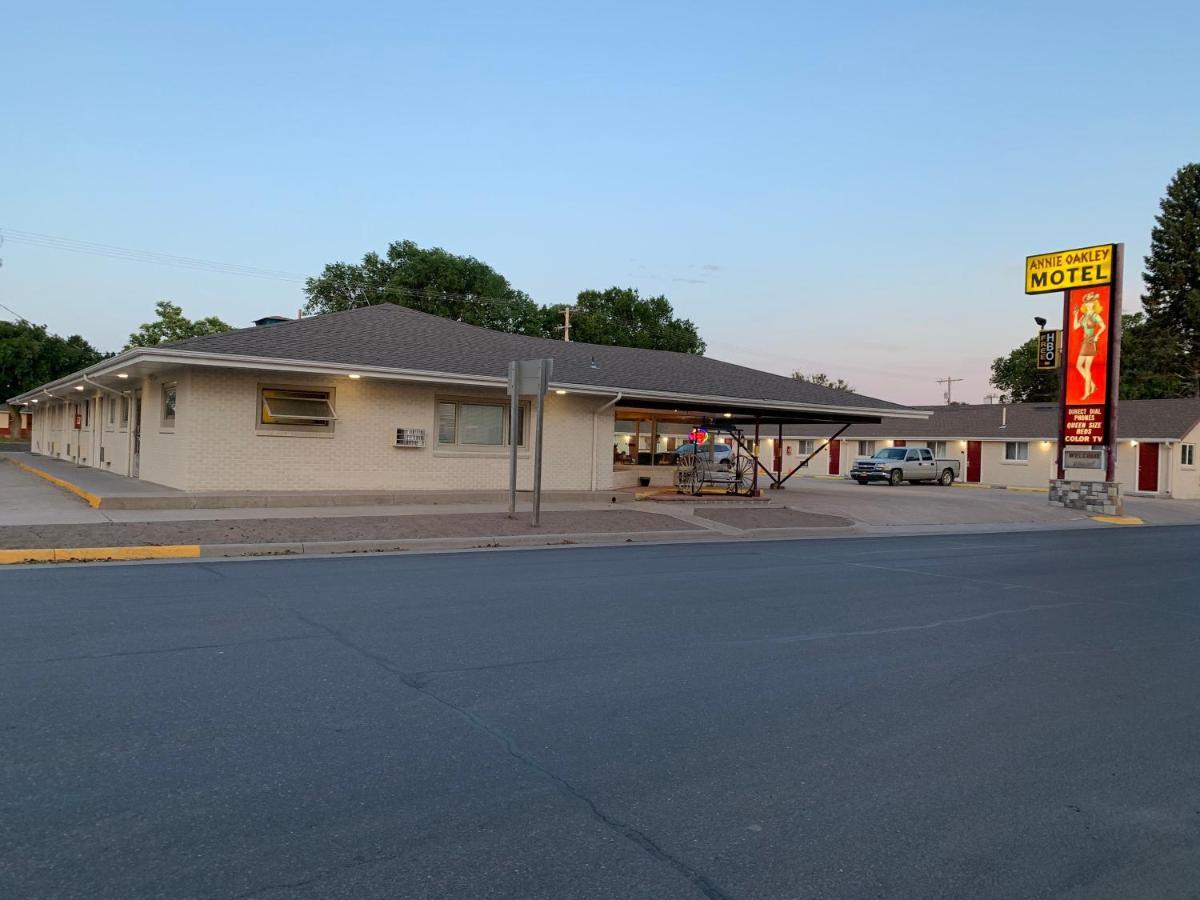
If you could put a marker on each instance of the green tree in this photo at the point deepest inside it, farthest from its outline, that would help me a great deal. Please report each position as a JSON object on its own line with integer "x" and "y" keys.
{"x": 1172, "y": 276}
{"x": 172, "y": 325}
{"x": 1017, "y": 376}
{"x": 430, "y": 280}
{"x": 1152, "y": 361}
{"x": 621, "y": 317}
{"x": 1151, "y": 366}
{"x": 30, "y": 355}
{"x": 824, "y": 380}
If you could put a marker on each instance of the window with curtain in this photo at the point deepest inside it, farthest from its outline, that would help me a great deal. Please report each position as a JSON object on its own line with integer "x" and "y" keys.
{"x": 473, "y": 424}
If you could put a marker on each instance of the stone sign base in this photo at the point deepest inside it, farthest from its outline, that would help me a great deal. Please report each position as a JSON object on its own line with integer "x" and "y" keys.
{"x": 1102, "y": 498}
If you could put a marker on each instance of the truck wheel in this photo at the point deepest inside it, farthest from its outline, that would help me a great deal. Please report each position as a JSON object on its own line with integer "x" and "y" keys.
{"x": 862, "y": 481}
{"x": 897, "y": 477}
{"x": 947, "y": 478}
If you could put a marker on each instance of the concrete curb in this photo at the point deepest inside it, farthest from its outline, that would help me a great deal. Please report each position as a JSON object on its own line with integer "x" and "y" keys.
{"x": 89, "y": 498}
{"x": 331, "y": 548}
{"x": 99, "y": 554}
{"x": 328, "y": 548}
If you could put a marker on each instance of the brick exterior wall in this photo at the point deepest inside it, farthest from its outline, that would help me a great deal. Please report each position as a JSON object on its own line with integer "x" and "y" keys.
{"x": 216, "y": 444}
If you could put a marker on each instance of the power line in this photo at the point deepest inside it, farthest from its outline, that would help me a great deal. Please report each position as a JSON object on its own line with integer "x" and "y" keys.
{"x": 20, "y": 318}
{"x": 112, "y": 251}
{"x": 949, "y": 383}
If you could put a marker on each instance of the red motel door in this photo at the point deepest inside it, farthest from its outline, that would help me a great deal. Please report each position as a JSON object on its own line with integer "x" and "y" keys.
{"x": 974, "y": 460}
{"x": 835, "y": 457}
{"x": 899, "y": 443}
{"x": 778, "y": 456}
{"x": 1147, "y": 467}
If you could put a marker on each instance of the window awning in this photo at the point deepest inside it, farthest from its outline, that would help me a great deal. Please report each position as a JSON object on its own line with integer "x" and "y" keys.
{"x": 295, "y": 407}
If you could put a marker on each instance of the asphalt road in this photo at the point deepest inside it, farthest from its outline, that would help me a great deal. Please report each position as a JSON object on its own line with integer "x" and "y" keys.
{"x": 1006, "y": 716}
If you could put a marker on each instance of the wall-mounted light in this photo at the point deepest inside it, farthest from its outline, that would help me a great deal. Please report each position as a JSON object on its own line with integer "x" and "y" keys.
{"x": 34, "y": 400}
{"x": 1133, "y": 443}
{"x": 560, "y": 392}
{"x": 354, "y": 376}
{"x": 79, "y": 387}
{"x": 728, "y": 415}
{"x": 1045, "y": 443}
{"x": 122, "y": 375}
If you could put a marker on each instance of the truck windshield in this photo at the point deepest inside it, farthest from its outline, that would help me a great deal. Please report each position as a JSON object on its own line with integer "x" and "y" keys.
{"x": 893, "y": 453}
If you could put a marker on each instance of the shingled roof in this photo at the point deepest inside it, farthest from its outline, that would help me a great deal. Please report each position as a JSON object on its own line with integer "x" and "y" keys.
{"x": 1138, "y": 420}
{"x": 390, "y": 336}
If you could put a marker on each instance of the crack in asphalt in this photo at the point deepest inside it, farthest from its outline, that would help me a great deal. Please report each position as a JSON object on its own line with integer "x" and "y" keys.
{"x": 321, "y": 874}
{"x": 634, "y": 835}
{"x": 116, "y": 654}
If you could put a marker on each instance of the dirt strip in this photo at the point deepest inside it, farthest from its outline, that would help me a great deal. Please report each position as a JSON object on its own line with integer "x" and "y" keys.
{"x": 356, "y": 528}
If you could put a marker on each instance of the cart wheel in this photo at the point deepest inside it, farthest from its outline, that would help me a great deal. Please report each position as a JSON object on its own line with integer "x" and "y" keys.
{"x": 743, "y": 476}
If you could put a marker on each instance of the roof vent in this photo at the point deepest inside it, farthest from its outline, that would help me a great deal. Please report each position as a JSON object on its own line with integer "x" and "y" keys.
{"x": 270, "y": 320}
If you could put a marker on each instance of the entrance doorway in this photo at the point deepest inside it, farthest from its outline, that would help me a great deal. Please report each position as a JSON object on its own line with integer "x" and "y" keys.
{"x": 136, "y": 437}
{"x": 974, "y": 461}
{"x": 1147, "y": 477}
{"x": 835, "y": 457}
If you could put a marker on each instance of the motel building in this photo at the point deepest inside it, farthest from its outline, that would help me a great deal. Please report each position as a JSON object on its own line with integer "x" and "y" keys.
{"x": 385, "y": 398}
{"x": 1012, "y": 446}
{"x": 15, "y": 425}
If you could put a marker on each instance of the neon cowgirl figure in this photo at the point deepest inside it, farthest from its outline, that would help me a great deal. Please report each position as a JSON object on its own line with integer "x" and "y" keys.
{"x": 1088, "y": 318}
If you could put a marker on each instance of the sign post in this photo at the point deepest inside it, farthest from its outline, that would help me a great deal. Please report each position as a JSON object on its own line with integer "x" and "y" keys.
{"x": 1087, "y": 354}
{"x": 514, "y": 427}
{"x": 543, "y": 385}
{"x": 527, "y": 377}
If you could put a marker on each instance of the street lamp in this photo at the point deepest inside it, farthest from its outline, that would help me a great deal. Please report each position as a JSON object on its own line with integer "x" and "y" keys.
{"x": 1040, "y": 321}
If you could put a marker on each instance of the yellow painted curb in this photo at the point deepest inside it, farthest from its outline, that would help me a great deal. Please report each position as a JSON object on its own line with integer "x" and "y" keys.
{"x": 86, "y": 554}
{"x": 1028, "y": 490}
{"x": 1119, "y": 520}
{"x": 91, "y": 499}
{"x": 971, "y": 484}
{"x": 8, "y": 557}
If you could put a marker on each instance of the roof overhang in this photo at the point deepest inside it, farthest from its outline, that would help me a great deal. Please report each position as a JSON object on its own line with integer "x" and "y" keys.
{"x": 144, "y": 360}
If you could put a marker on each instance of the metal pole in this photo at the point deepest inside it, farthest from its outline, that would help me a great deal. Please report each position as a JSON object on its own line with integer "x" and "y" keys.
{"x": 1114, "y": 360}
{"x": 754, "y": 486}
{"x": 1062, "y": 388}
{"x": 514, "y": 433}
{"x": 543, "y": 386}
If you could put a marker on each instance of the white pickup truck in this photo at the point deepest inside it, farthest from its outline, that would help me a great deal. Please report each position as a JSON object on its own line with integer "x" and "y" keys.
{"x": 899, "y": 464}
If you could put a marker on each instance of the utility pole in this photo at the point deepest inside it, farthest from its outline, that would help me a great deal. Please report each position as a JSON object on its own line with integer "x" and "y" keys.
{"x": 567, "y": 324}
{"x": 949, "y": 383}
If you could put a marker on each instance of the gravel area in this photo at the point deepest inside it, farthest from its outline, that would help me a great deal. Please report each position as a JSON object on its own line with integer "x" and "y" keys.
{"x": 741, "y": 517}
{"x": 362, "y": 528}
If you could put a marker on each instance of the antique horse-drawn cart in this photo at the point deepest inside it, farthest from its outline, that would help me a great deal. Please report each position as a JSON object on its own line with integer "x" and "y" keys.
{"x": 701, "y": 466}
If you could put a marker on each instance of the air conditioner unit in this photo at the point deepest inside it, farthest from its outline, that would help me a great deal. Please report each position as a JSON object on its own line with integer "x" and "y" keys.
{"x": 410, "y": 437}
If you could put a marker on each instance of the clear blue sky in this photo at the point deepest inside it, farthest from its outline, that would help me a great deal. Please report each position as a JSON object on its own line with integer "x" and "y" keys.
{"x": 841, "y": 187}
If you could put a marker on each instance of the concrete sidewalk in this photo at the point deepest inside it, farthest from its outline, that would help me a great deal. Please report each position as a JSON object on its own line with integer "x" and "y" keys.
{"x": 107, "y": 491}
{"x": 40, "y": 521}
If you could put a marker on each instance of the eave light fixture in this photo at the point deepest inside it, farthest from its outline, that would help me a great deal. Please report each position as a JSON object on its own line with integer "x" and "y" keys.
{"x": 354, "y": 376}
{"x": 122, "y": 375}
{"x": 560, "y": 391}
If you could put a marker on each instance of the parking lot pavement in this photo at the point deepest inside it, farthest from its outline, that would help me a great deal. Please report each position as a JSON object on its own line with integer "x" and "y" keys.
{"x": 884, "y": 506}
{"x": 26, "y": 499}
